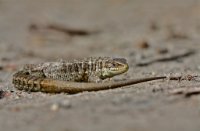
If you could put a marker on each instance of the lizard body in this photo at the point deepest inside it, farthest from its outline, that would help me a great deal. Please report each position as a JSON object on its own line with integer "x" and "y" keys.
{"x": 87, "y": 70}
{"x": 74, "y": 77}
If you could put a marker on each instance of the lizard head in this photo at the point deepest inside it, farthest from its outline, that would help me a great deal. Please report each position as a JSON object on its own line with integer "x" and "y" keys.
{"x": 113, "y": 67}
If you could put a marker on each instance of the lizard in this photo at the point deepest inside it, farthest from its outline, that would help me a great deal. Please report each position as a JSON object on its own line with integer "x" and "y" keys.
{"x": 76, "y": 76}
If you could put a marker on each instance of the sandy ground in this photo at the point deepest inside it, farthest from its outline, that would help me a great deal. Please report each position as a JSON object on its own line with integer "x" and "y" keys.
{"x": 148, "y": 33}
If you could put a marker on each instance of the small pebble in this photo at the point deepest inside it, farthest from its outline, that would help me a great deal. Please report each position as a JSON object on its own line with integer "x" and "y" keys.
{"x": 16, "y": 97}
{"x": 143, "y": 44}
{"x": 54, "y": 107}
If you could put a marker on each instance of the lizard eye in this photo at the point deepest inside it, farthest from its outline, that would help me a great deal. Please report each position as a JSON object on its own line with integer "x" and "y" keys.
{"x": 116, "y": 65}
{"x": 111, "y": 65}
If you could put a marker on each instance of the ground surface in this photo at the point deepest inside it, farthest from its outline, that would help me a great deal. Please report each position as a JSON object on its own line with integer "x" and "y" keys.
{"x": 142, "y": 31}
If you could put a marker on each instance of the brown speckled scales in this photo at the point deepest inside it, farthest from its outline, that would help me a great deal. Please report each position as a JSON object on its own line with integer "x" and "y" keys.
{"x": 74, "y": 77}
{"x": 78, "y": 70}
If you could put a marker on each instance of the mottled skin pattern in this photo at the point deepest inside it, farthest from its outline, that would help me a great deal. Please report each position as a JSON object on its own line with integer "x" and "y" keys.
{"x": 76, "y": 76}
{"x": 86, "y": 70}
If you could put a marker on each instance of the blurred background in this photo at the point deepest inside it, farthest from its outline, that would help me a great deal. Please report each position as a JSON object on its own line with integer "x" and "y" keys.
{"x": 155, "y": 36}
{"x": 53, "y": 29}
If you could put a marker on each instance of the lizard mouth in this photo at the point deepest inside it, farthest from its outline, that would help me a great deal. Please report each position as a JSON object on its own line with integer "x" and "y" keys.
{"x": 120, "y": 70}
{"x": 114, "y": 71}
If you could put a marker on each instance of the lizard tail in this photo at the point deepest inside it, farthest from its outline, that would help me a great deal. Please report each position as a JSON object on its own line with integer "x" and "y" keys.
{"x": 57, "y": 86}
{"x": 24, "y": 81}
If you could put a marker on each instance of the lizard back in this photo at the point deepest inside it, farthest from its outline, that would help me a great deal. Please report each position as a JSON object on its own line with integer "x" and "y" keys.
{"x": 89, "y": 69}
